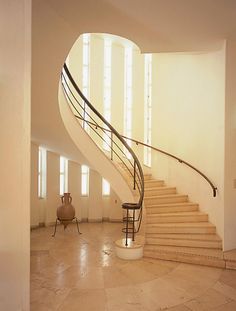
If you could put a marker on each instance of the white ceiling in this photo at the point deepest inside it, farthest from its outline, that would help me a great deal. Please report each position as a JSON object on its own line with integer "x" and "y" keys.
{"x": 157, "y": 25}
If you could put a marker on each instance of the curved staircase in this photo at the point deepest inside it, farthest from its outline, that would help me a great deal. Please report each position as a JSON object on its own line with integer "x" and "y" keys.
{"x": 176, "y": 229}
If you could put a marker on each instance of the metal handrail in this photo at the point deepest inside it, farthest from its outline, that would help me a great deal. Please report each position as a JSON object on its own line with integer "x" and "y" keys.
{"x": 214, "y": 189}
{"x": 136, "y": 169}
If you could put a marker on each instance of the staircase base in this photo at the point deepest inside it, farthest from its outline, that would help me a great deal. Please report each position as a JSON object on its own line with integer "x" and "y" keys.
{"x": 132, "y": 251}
{"x": 215, "y": 258}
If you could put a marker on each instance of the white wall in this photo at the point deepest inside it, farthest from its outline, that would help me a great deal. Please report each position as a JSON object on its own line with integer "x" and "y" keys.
{"x": 15, "y": 57}
{"x": 188, "y": 121}
{"x": 74, "y": 186}
{"x": 230, "y": 148}
{"x": 53, "y": 199}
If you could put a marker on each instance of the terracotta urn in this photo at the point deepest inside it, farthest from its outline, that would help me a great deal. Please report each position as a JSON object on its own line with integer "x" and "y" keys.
{"x": 66, "y": 212}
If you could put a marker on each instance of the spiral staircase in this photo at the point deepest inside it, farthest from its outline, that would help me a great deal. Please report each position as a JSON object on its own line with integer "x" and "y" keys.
{"x": 170, "y": 226}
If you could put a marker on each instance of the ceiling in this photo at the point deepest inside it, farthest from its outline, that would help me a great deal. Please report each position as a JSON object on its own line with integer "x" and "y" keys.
{"x": 156, "y": 25}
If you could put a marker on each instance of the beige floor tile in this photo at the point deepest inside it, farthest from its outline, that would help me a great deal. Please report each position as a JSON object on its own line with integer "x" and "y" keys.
{"x": 209, "y": 300}
{"x": 47, "y": 297}
{"x": 81, "y": 272}
{"x": 161, "y": 294}
{"x": 190, "y": 278}
{"x": 226, "y": 290}
{"x": 231, "y": 306}
{"x": 125, "y": 298}
{"x": 179, "y": 308}
{"x": 114, "y": 277}
{"x": 85, "y": 300}
{"x": 228, "y": 277}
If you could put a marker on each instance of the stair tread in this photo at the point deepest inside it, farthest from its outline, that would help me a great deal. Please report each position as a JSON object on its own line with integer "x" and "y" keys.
{"x": 183, "y": 224}
{"x": 185, "y": 236}
{"x": 196, "y": 251}
{"x": 177, "y": 214}
{"x": 172, "y": 195}
{"x": 178, "y": 204}
{"x": 153, "y": 179}
{"x": 160, "y": 188}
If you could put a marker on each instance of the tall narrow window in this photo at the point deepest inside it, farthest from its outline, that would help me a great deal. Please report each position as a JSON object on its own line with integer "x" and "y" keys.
{"x": 84, "y": 180}
{"x": 42, "y": 154}
{"x": 63, "y": 175}
{"x": 105, "y": 187}
{"x": 86, "y": 75}
{"x": 147, "y": 107}
{"x": 128, "y": 93}
{"x": 107, "y": 91}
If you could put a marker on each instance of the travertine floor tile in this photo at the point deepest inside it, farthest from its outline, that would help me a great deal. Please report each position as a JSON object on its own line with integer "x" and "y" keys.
{"x": 85, "y": 300}
{"x": 179, "y": 308}
{"x": 81, "y": 272}
{"x": 226, "y": 290}
{"x": 209, "y": 300}
{"x": 228, "y": 277}
{"x": 231, "y": 306}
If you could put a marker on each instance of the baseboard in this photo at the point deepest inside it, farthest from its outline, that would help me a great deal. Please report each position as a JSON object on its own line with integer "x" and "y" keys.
{"x": 40, "y": 225}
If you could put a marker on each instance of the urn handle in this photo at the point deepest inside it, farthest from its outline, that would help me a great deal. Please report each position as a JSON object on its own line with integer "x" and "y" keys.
{"x": 70, "y": 199}
{"x": 62, "y": 199}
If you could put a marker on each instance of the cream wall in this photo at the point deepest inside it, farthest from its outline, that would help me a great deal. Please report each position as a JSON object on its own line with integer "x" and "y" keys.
{"x": 93, "y": 208}
{"x": 230, "y": 147}
{"x": 15, "y": 71}
{"x": 188, "y": 121}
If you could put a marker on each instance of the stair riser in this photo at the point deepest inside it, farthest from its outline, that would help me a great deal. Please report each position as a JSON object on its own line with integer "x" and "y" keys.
{"x": 147, "y": 177}
{"x": 176, "y": 219}
{"x": 160, "y": 200}
{"x": 184, "y": 243}
{"x": 190, "y": 230}
{"x": 186, "y": 259}
{"x": 159, "y": 191}
{"x": 152, "y": 184}
{"x": 189, "y": 237}
{"x": 161, "y": 210}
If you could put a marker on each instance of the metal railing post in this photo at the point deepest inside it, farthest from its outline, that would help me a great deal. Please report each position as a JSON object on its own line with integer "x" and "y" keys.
{"x": 134, "y": 174}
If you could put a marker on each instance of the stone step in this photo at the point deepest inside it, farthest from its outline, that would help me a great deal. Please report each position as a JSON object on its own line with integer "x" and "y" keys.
{"x": 179, "y": 228}
{"x": 150, "y": 183}
{"x": 186, "y": 240}
{"x": 147, "y": 176}
{"x": 171, "y": 208}
{"x": 164, "y": 199}
{"x": 154, "y": 191}
{"x": 180, "y": 217}
{"x": 202, "y": 237}
{"x": 201, "y": 256}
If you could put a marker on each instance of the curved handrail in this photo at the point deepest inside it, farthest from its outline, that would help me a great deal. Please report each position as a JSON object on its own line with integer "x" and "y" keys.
{"x": 169, "y": 155}
{"x": 178, "y": 159}
{"x": 137, "y": 174}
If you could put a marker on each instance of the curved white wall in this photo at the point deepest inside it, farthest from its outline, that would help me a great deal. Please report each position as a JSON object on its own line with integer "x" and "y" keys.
{"x": 96, "y": 158}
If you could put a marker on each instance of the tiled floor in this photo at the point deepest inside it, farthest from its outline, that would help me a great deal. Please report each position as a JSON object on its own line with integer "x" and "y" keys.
{"x": 81, "y": 272}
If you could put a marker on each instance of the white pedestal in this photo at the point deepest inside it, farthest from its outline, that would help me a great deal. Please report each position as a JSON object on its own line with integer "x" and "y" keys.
{"x": 130, "y": 252}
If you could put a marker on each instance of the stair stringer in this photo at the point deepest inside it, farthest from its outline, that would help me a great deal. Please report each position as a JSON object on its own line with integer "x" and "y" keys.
{"x": 95, "y": 156}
